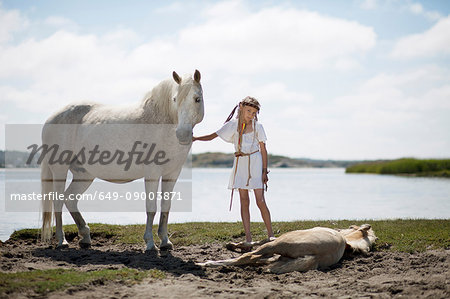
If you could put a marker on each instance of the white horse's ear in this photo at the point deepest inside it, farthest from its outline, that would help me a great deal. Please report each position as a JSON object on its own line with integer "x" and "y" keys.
{"x": 176, "y": 77}
{"x": 197, "y": 76}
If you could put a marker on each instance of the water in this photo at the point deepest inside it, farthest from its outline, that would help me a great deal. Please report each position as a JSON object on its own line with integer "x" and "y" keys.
{"x": 294, "y": 194}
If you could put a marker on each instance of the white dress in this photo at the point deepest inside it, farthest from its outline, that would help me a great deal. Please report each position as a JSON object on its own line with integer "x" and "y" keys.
{"x": 250, "y": 143}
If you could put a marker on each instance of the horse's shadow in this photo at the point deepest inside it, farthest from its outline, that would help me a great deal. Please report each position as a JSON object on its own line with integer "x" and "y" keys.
{"x": 165, "y": 262}
{"x": 348, "y": 260}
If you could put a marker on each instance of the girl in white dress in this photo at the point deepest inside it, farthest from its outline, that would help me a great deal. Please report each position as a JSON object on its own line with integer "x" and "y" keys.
{"x": 250, "y": 162}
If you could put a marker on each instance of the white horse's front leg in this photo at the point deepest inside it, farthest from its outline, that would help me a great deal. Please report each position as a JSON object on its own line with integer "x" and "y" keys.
{"x": 163, "y": 231}
{"x": 166, "y": 188}
{"x": 151, "y": 187}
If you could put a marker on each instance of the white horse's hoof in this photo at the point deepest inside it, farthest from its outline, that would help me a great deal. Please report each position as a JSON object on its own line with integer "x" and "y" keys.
{"x": 62, "y": 246}
{"x": 84, "y": 245}
{"x": 151, "y": 246}
{"x": 151, "y": 251}
{"x": 166, "y": 246}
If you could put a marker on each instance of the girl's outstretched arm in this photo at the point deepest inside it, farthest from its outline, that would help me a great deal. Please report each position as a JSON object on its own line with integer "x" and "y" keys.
{"x": 205, "y": 137}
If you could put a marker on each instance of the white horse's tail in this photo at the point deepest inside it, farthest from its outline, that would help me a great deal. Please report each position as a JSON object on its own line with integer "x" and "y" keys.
{"x": 47, "y": 204}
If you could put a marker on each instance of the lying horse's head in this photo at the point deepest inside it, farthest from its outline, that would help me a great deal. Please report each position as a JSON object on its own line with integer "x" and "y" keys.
{"x": 359, "y": 238}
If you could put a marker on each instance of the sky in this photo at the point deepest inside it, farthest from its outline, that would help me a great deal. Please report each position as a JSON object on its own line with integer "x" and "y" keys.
{"x": 361, "y": 79}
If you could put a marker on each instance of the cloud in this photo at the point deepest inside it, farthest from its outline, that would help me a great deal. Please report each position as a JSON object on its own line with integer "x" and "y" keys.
{"x": 408, "y": 5}
{"x": 267, "y": 53}
{"x": 68, "y": 65}
{"x": 10, "y": 22}
{"x": 234, "y": 38}
{"x": 398, "y": 114}
{"x": 389, "y": 115}
{"x": 369, "y": 4}
{"x": 58, "y": 21}
{"x": 408, "y": 91}
{"x": 417, "y": 9}
{"x": 432, "y": 42}
{"x": 173, "y": 7}
{"x": 346, "y": 64}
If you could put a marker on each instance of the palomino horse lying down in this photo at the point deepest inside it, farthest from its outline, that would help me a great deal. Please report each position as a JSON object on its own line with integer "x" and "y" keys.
{"x": 304, "y": 250}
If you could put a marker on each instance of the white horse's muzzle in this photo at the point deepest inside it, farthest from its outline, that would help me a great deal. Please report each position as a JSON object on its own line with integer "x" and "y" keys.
{"x": 184, "y": 134}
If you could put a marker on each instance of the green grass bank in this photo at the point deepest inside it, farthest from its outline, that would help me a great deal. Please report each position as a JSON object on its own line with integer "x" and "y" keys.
{"x": 405, "y": 166}
{"x": 398, "y": 235}
{"x": 393, "y": 235}
{"x": 43, "y": 282}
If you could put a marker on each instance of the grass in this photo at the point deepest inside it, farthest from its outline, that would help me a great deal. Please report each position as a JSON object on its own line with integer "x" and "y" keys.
{"x": 394, "y": 235}
{"x": 397, "y": 235}
{"x": 45, "y": 281}
{"x": 406, "y": 166}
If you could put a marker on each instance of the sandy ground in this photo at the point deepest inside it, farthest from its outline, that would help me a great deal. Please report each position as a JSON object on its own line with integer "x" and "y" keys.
{"x": 378, "y": 275}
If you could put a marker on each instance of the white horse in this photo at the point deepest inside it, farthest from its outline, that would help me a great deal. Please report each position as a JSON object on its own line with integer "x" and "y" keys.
{"x": 177, "y": 101}
{"x": 304, "y": 250}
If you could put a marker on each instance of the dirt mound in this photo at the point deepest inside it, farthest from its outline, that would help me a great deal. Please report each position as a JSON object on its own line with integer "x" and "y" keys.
{"x": 379, "y": 274}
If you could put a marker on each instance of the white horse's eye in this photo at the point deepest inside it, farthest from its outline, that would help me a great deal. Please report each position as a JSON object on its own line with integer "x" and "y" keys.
{"x": 198, "y": 99}
{"x": 174, "y": 99}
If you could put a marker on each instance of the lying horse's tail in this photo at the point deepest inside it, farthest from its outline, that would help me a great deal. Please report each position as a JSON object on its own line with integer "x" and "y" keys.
{"x": 247, "y": 258}
{"x": 263, "y": 256}
{"x": 47, "y": 204}
{"x": 255, "y": 257}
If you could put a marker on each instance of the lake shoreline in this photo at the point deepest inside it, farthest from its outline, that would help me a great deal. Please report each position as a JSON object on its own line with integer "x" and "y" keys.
{"x": 293, "y": 194}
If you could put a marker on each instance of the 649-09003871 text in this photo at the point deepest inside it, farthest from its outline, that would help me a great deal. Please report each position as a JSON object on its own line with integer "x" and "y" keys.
{"x": 98, "y": 195}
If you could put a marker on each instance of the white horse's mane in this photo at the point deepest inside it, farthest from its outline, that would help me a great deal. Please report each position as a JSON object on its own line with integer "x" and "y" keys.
{"x": 159, "y": 99}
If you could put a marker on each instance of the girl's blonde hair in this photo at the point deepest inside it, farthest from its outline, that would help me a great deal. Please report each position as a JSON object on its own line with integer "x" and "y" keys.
{"x": 251, "y": 102}
{"x": 247, "y": 101}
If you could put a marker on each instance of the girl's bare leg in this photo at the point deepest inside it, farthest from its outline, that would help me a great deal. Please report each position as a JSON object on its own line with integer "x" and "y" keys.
{"x": 261, "y": 202}
{"x": 245, "y": 213}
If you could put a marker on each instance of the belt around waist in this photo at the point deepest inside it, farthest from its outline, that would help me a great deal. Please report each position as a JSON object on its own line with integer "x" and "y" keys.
{"x": 241, "y": 154}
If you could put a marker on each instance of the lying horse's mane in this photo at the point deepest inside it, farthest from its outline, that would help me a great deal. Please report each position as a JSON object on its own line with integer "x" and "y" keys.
{"x": 359, "y": 241}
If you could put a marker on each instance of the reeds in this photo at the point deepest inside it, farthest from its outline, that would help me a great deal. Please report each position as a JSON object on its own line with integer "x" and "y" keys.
{"x": 405, "y": 166}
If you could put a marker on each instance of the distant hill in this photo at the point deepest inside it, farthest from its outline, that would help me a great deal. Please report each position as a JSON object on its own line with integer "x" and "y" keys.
{"x": 226, "y": 160}
{"x": 209, "y": 160}
{"x": 17, "y": 159}
{"x": 214, "y": 160}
